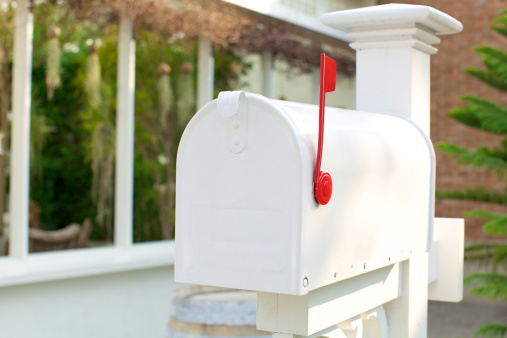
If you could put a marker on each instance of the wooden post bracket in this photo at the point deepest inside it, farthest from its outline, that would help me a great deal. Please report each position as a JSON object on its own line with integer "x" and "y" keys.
{"x": 357, "y": 304}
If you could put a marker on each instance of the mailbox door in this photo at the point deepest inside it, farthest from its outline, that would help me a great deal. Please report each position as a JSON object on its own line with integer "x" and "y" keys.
{"x": 238, "y": 214}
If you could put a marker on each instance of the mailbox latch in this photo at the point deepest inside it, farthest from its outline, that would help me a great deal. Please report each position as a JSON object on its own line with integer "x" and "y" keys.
{"x": 233, "y": 106}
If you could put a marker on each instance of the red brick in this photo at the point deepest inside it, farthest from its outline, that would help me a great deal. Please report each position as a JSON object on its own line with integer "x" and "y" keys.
{"x": 448, "y": 81}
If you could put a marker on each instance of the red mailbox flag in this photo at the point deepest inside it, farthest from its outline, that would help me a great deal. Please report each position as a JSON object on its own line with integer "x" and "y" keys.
{"x": 328, "y": 74}
{"x": 322, "y": 183}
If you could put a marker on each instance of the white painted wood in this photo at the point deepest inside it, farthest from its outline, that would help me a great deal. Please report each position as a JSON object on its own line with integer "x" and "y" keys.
{"x": 77, "y": 263}
{"x": 375, "y": 323}
{"x": 331, "y": 332}
{"x": 407, "y": 316}
{"x": 20, "y": 139}
{"x": 134, "y": 303}
{"x": 205, "y": 72}
{"x": 283, "y": 335}
{"x": 124, "y": 180}
{"x": 370, "y": 324}
{"x": 268, "y": 74}
{"x": 324, "y": 307}
{"x": 308, "y": 19}
{"x": 392, "y": 15}
{"x": 433, "y": 262}
{"x": 395, "y": 80}
{"x": 352, "y": 327}
{"x": 290, "y": 314}
{"x": 450, "y": 235}
{"x": 393, "y": 45}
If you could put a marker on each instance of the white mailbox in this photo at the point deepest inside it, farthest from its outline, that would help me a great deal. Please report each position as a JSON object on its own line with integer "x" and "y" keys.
{"x": 246, "y": 216}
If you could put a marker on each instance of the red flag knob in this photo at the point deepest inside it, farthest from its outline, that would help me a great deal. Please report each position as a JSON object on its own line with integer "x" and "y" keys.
{"x": 323, "y": 189}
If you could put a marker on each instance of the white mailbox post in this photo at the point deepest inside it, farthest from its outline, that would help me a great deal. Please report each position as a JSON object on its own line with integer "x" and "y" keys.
{"x": 361, "y": 265}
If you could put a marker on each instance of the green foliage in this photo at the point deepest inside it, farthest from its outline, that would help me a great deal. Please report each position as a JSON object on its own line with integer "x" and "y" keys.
{"x": 228, "y": 66}
{"x": 483, "y": 114}
{"x": 38, "y": 134}
{"x": 494, "y": 59}
{"x": 480, "y": 158}
{"x": 492, "y": 331}
{"x": 496, "y": 224}
{"x": 495, "y": 73}
{"x": 474, "y": 194}
{"x": 162, "y": 112}
{"x": 480, "y": 253}
{"x": 490, "y": 285}
{"x": 67, "y": 129}
{"x": 62, "y": 189}
{"x": 489, "y": 253}
{"x": 500, "y": 23}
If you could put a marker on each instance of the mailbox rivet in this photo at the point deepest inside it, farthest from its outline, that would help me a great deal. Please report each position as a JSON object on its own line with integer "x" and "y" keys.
{"x": 236, "y": 124}
{"x": 335, "y": 275}
{"x": 305, "y": 282}
{"x": 236, "y": 140}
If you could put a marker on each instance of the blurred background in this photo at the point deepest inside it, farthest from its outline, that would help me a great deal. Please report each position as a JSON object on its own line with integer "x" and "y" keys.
{"x": 181, "y": 54}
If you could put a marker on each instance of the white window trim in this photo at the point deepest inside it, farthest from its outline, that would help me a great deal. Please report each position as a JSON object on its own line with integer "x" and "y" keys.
{"x": 58, "y": 265}
{"x": 20, "y": 267}
{"x": 275, "y": 9}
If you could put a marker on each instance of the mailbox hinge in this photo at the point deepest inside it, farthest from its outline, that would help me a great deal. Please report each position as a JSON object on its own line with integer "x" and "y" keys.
{"x": 233, "y": 106}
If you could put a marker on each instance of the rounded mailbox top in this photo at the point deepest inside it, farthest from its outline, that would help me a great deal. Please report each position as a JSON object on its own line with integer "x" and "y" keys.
{"x": 393, "y": 14}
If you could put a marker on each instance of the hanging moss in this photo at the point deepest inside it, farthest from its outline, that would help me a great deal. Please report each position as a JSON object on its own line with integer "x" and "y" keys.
{"x": 165, "y": 94}
{"x": 53, "y": 61}
{"x": 102, "y": 169}
{"x": 102, "y": 144}
{"x": 186, "y": 95}
{"x": 38, "y": 131}
{"x": 93, "y": 77}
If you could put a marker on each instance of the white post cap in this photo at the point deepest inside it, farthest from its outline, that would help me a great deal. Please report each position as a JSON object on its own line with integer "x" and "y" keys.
{"x": 393, "y": 15}
{"x": 393, "y": 26}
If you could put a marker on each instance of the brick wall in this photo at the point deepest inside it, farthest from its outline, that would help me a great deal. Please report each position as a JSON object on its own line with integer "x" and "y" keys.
{"x": 448, "y": 81}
